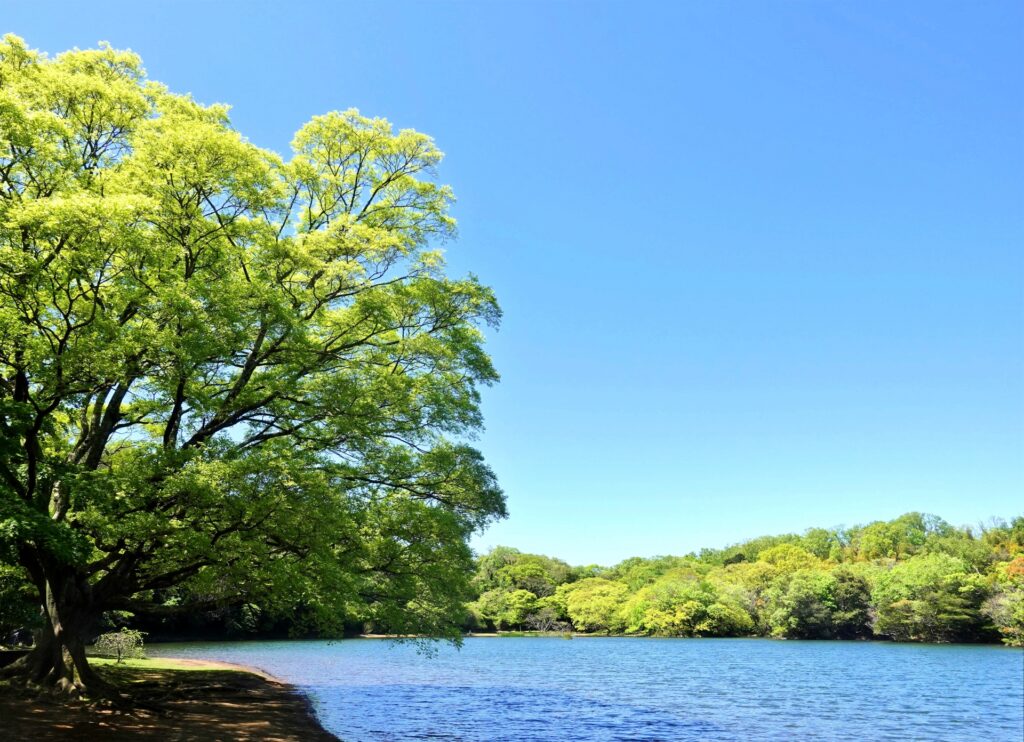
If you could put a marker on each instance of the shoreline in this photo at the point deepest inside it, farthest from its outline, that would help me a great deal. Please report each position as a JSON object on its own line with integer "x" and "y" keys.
{"x": 297, "y": 692}
{"x": 512, "y": 634}
{"x": 172, "y": 699}
{"x": 187, "y": 663}
{"x": 201, "y": 664}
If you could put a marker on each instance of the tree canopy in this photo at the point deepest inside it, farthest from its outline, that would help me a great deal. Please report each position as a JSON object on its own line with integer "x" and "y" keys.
{"x": 225, "y": 375}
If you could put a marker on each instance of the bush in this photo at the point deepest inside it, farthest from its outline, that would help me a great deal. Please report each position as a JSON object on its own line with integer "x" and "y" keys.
{"x": 120, "y": 644}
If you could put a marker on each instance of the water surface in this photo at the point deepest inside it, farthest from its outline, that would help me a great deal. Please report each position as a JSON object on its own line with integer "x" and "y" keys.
{"x": 540, "y": 689}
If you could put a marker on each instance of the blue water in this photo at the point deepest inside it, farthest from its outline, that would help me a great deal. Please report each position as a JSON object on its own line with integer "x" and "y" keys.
{"x": 647, "y": 689}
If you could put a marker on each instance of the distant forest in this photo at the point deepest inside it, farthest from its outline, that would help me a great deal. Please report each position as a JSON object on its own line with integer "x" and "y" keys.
{"x": 915, "y": 578}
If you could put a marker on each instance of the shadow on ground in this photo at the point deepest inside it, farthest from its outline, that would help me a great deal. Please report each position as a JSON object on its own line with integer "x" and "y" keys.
{"x": 169, "y": 705}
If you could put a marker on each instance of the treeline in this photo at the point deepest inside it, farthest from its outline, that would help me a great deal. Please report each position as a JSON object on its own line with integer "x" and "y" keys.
{"x": 914, "y": 578}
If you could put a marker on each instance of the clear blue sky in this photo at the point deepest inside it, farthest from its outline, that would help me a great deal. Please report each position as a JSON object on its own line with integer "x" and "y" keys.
{"x": 762, "y": 263}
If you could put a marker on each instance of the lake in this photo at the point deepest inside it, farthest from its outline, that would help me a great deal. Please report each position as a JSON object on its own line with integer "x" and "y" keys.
{"x": 646, "y": 689}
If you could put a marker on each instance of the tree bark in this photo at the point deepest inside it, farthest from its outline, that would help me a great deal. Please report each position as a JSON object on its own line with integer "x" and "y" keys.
{"x": 71, "y": 615}
{"x": 58, "y": 660}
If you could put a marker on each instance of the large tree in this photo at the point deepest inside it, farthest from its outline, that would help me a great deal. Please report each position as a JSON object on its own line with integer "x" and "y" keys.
{"x": 225, "y": 376}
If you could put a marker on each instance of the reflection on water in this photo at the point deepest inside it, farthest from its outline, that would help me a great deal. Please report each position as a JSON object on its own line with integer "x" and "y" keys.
{"x": 647, "y": 689}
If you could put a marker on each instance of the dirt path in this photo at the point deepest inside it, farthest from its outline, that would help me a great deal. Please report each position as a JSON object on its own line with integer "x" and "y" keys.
{"x": 200, "y": 701}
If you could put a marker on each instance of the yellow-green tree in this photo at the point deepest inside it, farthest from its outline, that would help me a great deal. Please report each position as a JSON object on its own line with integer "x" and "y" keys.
{"x": 594, "y": 604}
{"x": 681, "y": 603}
{"x": 225, "y": 376}
{"x": 1006, "y": 605}
{"x": 929, "y": 597}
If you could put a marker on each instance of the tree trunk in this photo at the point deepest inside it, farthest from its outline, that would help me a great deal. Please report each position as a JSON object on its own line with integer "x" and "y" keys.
{"x": 71, "y": 613}
{"x": 58, "y": 660}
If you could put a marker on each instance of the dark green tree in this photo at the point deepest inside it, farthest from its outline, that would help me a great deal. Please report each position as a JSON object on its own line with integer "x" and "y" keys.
{"x": 801, "y": 605}
{"x": 851, "y": 616}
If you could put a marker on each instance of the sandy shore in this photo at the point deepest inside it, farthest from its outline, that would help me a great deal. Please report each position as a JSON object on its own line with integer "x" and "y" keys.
{"x": 187, "y": 664}
{"x": 173, "y": 700}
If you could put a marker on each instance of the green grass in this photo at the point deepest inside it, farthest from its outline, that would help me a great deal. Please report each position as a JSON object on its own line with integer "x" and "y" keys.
{"x": 156, "y": 663}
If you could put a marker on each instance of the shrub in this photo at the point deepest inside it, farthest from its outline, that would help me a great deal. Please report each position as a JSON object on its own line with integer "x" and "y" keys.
{"x": 120, "y": 644}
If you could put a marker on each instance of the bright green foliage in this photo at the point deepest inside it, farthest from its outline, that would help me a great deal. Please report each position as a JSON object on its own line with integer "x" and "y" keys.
{"x": 529, "y": 576}
{"x": 748, "y": 551}
{"x": 594, "y": 604}
{"x": 899, "y": 538}
{"x": 489, "y": 606}
{"x": 924, "y": 581}
{"x": 538, "y": 574}
{"x": 682, "y": 604}
{"x": 120, "y": 644}
{"x": 787, "y": 558}
{"x": 224, "y": 376}
{"x": 929, "y": 598}
{"x": 520, "y": 604}
{"x": 824, "y": 543}
{"x": 489, "y": 566}
{"x": 548, "y": 615}
{"x": 505, "y": 609}
{"x": 973, "y": 553}
{"x": 636, "y": 572}
{"x": 504, "y": 573}
{"x": 1006, "y": 540}
{"x": 1006, "y": 610}
{"x": 1006, "y": 606}
{"x": 802, "y": 605}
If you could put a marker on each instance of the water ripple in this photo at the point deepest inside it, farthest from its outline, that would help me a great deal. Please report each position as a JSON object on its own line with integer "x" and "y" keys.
{"x": 639, "y": 690}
